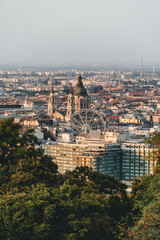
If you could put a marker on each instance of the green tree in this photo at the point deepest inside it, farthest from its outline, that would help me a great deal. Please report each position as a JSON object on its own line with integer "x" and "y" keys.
{"x": 34, "y": 170}
{"x": 38, "y": 203}
{"x": 154, "y": 141}
{"x": 102, "y": 182}
{"x": 120, "y": 203}
{"x": 9, "y": 140}
{"x": 145, "y": 215}
{"x": 21, "y": 164}
{"x": 70, "y": 212}
{"x": 147, "y": 226}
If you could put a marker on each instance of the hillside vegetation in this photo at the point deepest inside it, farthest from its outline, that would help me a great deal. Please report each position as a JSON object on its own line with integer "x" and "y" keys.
{"x": 37, "y": 202}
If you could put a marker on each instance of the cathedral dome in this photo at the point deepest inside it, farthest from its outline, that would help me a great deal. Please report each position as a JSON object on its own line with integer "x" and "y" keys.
{"x": 80, "y": 89}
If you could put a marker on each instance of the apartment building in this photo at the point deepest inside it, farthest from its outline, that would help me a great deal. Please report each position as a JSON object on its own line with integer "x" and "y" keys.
{"x": 124, "y": 161}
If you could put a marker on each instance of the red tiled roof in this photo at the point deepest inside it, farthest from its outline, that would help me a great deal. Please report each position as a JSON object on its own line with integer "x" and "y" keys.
{"x": 116, "y": 117}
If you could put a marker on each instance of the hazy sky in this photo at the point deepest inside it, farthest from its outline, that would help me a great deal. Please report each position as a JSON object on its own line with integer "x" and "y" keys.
{"x": 84, "y": 31}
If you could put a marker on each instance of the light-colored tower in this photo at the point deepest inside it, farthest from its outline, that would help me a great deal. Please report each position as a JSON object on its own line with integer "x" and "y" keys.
{"x": 153, "y": 73}
{"x": 81, "y": 96}
{"x": 70, "y": 104}
{"x": 51, "y": 102}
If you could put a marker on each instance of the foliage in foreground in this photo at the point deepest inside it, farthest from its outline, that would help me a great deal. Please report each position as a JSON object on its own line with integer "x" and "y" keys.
{"x": 36, "y": 202}
{"x": 70, "y": 212}
{"x": 145, "y": 217}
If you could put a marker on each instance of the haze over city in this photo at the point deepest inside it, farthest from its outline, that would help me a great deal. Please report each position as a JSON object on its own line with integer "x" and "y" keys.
{"x": 79, "y": 120}
{"x": 105, "y": 31}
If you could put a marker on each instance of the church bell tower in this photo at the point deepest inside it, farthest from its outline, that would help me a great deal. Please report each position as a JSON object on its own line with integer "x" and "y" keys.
{"x": 70, "y": 104}
{"x": 51, "y": 102}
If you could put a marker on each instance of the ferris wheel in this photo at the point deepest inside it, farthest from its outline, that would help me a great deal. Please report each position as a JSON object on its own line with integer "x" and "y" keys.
{"x": 87, "y": 120}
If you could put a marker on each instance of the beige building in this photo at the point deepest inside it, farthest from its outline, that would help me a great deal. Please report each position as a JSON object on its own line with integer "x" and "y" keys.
{"x": 124, "y": 161}
{"x": 129, "y": 119}
{"x": 31, "y": 123}
{"x": 97, "y": 155}
{"x": 59, "y": 115}
{"x": 114, "y": 137}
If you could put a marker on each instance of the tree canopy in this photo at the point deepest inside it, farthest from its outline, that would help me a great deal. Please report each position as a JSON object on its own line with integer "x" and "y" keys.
{"x": 22, "y": 165}
{"x": 37, "y": 202}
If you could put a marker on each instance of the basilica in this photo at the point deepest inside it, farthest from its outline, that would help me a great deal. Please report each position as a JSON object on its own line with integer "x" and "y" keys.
{"x": 78, "y": 100}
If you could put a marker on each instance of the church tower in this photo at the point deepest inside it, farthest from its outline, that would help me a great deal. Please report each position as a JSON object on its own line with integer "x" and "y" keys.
{"x": 70, "y": 104}
{"x": 51, "y": 102}
{"x": 81, "y": 96}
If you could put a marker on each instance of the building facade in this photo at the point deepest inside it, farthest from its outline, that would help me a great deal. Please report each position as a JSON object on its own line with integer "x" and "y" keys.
{"x": 136, "y": 161}
{"x": 124, "y": 161}
{"x": 106, "y": 160}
